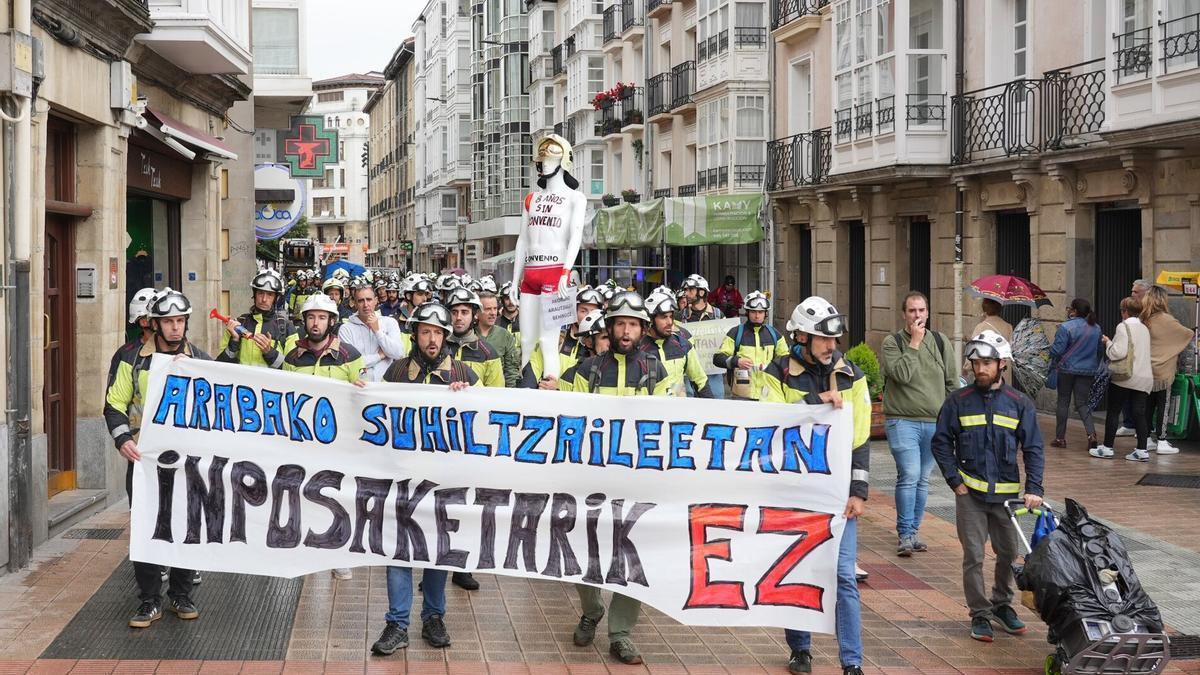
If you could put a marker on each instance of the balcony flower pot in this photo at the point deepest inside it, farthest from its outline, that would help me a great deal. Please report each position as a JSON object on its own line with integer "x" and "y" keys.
{"x": 633, "y": 117}
{"x": 631, "y": 196}
{"x": 610, "y": 200}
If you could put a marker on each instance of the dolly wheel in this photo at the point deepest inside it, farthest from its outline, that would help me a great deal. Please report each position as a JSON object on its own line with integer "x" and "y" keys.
{"x": 1052, "y": 667}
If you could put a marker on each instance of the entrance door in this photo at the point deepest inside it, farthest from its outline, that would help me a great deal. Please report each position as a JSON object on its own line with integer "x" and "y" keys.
{"x": 1012, "y": 256}
{"x": 1119, "y": 254}
{"x": 858, "y": 283}
{"x": 58, "y": 396}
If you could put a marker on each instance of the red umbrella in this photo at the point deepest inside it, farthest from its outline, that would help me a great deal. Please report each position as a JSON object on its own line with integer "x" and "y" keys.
{"x": 1008, "y": 290}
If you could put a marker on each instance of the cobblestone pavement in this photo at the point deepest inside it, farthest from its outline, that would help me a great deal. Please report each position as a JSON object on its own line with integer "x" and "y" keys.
{"x": 914, "y": 620}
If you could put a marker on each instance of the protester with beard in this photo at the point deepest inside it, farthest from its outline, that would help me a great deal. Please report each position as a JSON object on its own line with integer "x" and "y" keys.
{"x": 979, "y": 429}
{"x": 428, "y": 363}
{"x": 814, "y": 372}
{"x": 510, "y": 312}
{"x": 593, "y": 335}
{"x": 464, "y": 342}
{"x": 624, "y": 370}
{"x": 674, "y": 348}
{"x": 269, "y": 334}
{"x": 123, "y": 402}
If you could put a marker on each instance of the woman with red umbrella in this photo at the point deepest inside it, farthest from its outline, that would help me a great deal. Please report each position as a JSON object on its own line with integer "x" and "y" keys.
{"x": 1031, "y": 350}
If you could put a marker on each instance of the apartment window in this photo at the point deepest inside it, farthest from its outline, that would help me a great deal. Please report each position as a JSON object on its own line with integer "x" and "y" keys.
{"x": 712, "y": 138}
{"x": 597, "y": 6}
{"x": 1020, "y": 38}
{"x": 548, "y": 104}
{"x": 751, "y": 130}
{"x": 276, "y": 41}
{"x": 322, "y": 206}
{"x": 713, "y": 20}
{"x": 330, "y": 96}
{"x": 464, "y": 138}
{"x": 445, "y": 149}
{"x": 595, "y": 75}
{"x": 597, "y": 172}
{"x": 548, "y": 27}
{"x": 1179, "y": 33}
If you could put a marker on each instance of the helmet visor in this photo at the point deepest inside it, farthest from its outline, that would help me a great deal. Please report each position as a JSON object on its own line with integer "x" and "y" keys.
{"x": 831, "y": 326}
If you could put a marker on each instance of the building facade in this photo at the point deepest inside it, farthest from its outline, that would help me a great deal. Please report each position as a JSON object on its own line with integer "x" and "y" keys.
{"x": 337, "y": 202}
{"x": 1069, "y": 162}
{"x": 442, "y": 131}
{"x": 390, "y": 162}
{"x": 117, "y": 175}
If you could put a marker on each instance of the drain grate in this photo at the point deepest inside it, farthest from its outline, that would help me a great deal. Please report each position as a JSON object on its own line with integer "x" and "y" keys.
{"x": 1172, "y": 480}
{"x": 94, "y": 533}
{"x": 1185, "y": 647}
{"x": 242, "y": 617}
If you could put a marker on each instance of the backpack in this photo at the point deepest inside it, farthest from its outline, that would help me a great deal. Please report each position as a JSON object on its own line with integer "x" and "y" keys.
{"x": 737, "y": 344}
{"x": 937, "y": 337}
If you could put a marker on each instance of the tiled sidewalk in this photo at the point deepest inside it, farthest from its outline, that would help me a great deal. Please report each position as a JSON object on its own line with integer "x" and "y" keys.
{"x": 913, "y": 619}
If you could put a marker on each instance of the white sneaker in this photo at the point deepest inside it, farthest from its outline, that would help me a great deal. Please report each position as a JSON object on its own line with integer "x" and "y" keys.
{"x": 1101, "y": 451}
{"x": 343, "y": 574}
{"x": 1138, "y": 456}
{"x": 1151, "y": 444}
{"x": 1165, "y": 448}
{"x": 1127, "y": 431}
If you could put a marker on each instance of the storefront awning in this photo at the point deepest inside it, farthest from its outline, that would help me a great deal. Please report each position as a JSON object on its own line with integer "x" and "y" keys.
{"x": 496, "y": 261}
{"x": 173, "y": 132}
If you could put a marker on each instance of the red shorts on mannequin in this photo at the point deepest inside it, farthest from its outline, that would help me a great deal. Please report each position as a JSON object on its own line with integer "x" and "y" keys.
{"x": 539, "y": 280}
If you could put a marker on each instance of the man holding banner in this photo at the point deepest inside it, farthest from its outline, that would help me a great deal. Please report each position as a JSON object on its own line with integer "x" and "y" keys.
{"x": 815, "y": 373}
{"x": 169, "y": 312}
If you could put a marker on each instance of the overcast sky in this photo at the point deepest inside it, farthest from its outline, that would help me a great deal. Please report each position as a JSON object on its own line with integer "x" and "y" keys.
{"x": 355, "y": 36}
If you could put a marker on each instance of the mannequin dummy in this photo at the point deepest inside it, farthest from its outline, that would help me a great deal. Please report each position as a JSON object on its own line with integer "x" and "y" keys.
{"x": 551, "y": 233}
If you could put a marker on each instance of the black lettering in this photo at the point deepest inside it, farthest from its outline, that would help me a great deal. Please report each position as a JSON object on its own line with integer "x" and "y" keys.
{"x": 623, "y": 550}
{"x": 166, "y": 493}
{"x": 286, "y": 485}
{"x": 593, "y": 540}
{"x": 562, "y": 521}
{"x": 369, "y": 502}
{"x": 247, "y": 485}
{"x": 210, "y": 499}
{"x": 453, "y": 557}
{"x": 489, "y": 499}
{"x": 407, "y": 529}
{"x": 338, "y": 532}
{"x": 522, "y": 533}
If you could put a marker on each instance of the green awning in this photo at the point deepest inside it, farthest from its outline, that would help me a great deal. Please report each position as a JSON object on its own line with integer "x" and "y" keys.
{"x": 686, "y": 221}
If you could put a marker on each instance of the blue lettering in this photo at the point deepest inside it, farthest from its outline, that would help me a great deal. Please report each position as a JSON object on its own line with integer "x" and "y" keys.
{"x": 452, "y": 430}
{"x": 248, "y": 410}
{"x": 569, "y": 443}
{"x": 506, "y": 421}
{"x": 615, "y": 456}
{"x": 325, "y": 423}
{"x": 758, "y": 442}
{"x": 174, "y": 396}
{"x": 273, "y": 413}
{"x": 223, "y": 407}
{"x": 647, "y": 440}
{"x": 299, "y": 428}
{"x": 470, "y": 446}
{"x": 432, "y": 435}
{"x": 681, "y": 441}
{"x": 201, "y": 395}
{"x": 403, "y": 430}
{"x": 374, "y": 415}
{"x": 718, "y": 435}
{"x": 813, "y": 454}
{"x": 527, "y": 452}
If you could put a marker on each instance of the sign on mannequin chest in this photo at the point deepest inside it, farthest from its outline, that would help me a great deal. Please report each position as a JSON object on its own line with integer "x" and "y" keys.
{"x": 547, "y": 210}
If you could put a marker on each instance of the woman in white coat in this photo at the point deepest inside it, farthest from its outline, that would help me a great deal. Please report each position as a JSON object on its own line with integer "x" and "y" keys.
{"x": 1131, "y": 340}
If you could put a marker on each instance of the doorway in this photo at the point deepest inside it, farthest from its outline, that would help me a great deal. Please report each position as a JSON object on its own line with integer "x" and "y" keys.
{"x": 858, "y": 283}
{"x": 1119, "y": 254}
{"x": 1012, "y": 256}
{"x": 58, "y": 399}
{"x": 152, "y": 258}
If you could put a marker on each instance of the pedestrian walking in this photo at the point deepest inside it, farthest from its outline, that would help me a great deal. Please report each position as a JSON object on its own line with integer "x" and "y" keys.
{"x": 919, "y": 372}
{"x": 168, "y": 316}
{"x": 992, "y": 320}
{"x": 1074, "y": 362}
{"x": 378, "y": 338}
{"x": 428, "y": 363}
{"x": 1128, "y": 427}
{"x": 979, "y": 430}
{"x": 1131, "y": 380}
{"x": 623, "y": 370}
{"x": 749, "y": 348}
{"x": 815, "y": 372}
{"x": 502, "y": 341}
{"x": 1168, "y": 338}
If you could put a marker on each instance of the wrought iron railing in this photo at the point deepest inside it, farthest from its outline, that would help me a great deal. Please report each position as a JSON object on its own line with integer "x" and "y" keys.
{"x": 569, "y": 132}
{"x": 1001, "y": 120}
{"x": 1134, "y": 54}
{"x": 1181, "y": 42}
{"x": 723, "y": 41}
{"x": 799, "y": 160}
{"x": 864, "y": 122}
{"x": 558, "y": 128}
{"x": 702, "y": 50}
{"x": 843, "y": 124}
{"x": 652, "y": 5}
{"x": 924, "y": 110}
{"x": 1073, "y": 102}
{"x": 556, "y": 60}
{"x": 607, "y": 121}
{"x": 709, "y": 179}
{"x": 688, "y": 190}
{"x": 748, "y": 174}
{"x": 569, "y": 47}
{"x": 662, "y": 192}
{"x": 885, "y": 114}
{"x": 629, "y": 16}
{"x": 744, "y": 36}
{"x": 658, "y": 94}
{"x": 786, "y": 11}
{"x": 611, "y": 23}
{"x": 683, "y": 84}
{"x": 632, "y": 102}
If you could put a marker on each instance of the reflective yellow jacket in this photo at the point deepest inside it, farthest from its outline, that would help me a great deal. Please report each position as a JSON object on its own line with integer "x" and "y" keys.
{"x": 760, "y": 343}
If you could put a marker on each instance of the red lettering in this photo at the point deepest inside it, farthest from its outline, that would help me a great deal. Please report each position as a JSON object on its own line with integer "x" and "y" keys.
{"x": 813, "y": 530}
{"x": 704, "y": 591}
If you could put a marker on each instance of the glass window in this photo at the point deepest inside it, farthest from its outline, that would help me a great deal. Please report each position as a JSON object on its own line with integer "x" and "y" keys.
{"x": 1020, "y": 38}
{"x": 842, "y": 19}
{"x": 925, "y": 25}
{"x": 276, "y": 41}
{"x": 748, "y": 15}
{"x": 862, "y": 30}
{"x": 884, "y": 27}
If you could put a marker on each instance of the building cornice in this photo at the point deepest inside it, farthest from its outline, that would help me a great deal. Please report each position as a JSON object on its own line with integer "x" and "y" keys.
{"x": 213, "y": 93}
{"x": 107, "y": 26}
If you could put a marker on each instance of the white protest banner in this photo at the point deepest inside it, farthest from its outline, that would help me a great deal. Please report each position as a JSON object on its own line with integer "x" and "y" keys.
{"x": 558, "y": 312}
{"x": 670, "y": 501}
{"x": 706, "y": 340}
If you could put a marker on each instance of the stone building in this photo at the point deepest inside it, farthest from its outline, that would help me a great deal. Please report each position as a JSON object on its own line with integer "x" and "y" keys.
{"x": 390, "y": 165}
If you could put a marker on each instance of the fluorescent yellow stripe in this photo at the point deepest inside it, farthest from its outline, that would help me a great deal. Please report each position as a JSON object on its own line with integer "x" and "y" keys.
{"x": 972, "y": 420}
{"x": 1006, "y": 422}
{"x": 982, "y": 485}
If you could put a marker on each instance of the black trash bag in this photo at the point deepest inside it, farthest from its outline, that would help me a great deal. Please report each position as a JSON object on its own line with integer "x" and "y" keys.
{"x": 1064, "y": 574}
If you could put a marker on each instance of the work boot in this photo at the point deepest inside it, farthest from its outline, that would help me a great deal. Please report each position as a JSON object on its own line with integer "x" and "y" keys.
{"x": 623, "y": 650}
{"x": 1006, "y": 617}
{"x": 800, "y": 662}
{"x": 905, "y": 548}
{"x": 394, "y": 637}
{"x": 918, "y": 545}
{"x": 184, "y": 608}
{"x": 852, "y": 670}
{"x": 147, "y": 613}
{"x": 585, "y": 632}
{"x": 465, "y": 581}
{"x": 433, "y": 630}
{"x": 981, "y": 629}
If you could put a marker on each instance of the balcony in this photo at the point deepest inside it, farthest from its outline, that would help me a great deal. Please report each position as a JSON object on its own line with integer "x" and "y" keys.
{"x": 1156, "y": 74}
{"x": 556, "y": 61}
{"x": 798, "y": 161}
{"x": 688, "y": 190}
{"x": 611, "y": 23}
{"x": 632, "y": 108}
{"x": 712, "y": 179}
{"x": 683, "y": 86}
{"x": 661, "y": 192}
{"x": 658, "y": 96}
{"x": 748, "y": 174}
{"x": 655, "y": 8}
{"x": 1065, "y": 108}
{"x": 607, "y": 123}
{"x": 201, "y": 37}
{"x": 712, "y": 46}
{"x": 629, "y": 17}
{"x": 569, "y": 47}
{"x": 787, "y": 11}
{"x": 925, "y": 111}
{"x": 750, "y": 38}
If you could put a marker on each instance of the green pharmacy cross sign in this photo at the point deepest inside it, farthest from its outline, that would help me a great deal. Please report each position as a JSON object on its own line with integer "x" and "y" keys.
{"x": 309, "y": 146}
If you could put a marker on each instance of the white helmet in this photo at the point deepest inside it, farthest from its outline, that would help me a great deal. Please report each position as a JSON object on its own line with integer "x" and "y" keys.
{"x": 626, "y": 303}
{"x": 267, "y": 280}
{"x": 432, "y": 313}
{"x": 169, "y": 303}
{"x": 757, "y": 300}
{"x": 696, "y": 281}
{"x": 487, "y": 284}
{"x": 660, "y": 303}
{"x": 341, "y": 273}
{"x": 592, "y": 324}
{"x": 589, "y": 296}
{"x": 463, "y": 296}
{"x": 816, "y": 316}
{"x": 319, "y": 302}
{"x": 139, "y": 306}
{"x": 988, "y": 345}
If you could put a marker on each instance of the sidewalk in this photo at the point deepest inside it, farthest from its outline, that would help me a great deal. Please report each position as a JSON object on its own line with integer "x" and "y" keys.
{"x": 914, "y": 620}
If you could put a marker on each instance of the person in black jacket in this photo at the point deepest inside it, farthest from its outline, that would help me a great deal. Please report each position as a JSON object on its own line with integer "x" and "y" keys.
{"x": 979, "y": 429}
